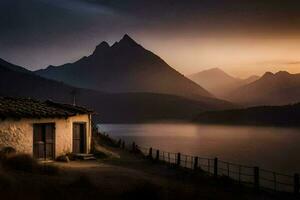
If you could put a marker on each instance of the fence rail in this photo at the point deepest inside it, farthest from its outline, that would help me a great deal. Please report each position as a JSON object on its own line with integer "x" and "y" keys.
{"x": 243, "y": 174}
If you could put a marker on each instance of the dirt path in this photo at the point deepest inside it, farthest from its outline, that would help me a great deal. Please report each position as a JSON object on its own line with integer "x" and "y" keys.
{"x": 131, "y": 175}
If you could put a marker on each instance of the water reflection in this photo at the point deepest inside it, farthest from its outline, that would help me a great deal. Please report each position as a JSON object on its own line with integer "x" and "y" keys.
{"x": 267, "y": 147}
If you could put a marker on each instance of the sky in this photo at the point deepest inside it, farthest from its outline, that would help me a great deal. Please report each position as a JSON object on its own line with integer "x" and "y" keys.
{"x": 242, "y": 37}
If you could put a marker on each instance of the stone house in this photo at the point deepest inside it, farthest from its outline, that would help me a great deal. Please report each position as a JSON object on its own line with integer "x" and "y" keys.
{"x": 44, "y": 130}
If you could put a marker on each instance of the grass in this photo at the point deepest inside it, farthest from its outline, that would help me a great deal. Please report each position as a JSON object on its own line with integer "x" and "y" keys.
{"x": 104, "y": 139}
{"x": 100, "y": 143}
{"x": 25, "y": 163}
{"x": 126, "y": 177}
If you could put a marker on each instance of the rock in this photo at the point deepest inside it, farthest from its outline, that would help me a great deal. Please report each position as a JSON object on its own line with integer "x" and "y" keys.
{"x": 7, "y": 151}
{"x": 63, "y": 158}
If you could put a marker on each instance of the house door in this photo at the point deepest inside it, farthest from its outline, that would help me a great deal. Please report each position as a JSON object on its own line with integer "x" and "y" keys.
{"x": 43, "y": 141}
{"x": 79, "y": 137}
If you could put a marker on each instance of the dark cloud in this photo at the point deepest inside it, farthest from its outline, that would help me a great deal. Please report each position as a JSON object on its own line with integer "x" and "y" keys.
{"x": 266, "y": 15}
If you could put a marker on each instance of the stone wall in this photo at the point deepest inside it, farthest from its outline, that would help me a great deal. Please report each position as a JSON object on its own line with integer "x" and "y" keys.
{"x": 16, "y": 135}
{"x": 19, "y": 133}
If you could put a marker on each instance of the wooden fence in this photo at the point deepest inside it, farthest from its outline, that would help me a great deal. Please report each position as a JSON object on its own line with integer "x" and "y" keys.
{"x": 242, "y": 174}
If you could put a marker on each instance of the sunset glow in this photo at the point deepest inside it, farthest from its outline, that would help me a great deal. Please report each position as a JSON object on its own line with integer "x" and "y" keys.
{"x": 150, "y": 99}
{"x": 240, "y": 57}
{"x": 242, "y": 38}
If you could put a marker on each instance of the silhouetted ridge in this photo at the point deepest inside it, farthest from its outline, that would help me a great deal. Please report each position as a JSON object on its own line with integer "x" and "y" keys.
{"x": 282, "y": 73}
{"x": 288, "y": 115}
{"x": 126, "y": 67}
{"x": 121, "y": 107}
{"x": 267, "y": 74}
{"x": 4, "y": 63}
{"x": 126, "y": 43}
{"x": 215, "y": 69}
{"x": 272, "y": 89}
{"x": 51, "y": 67}
{"x": 219, "y": 82}
{"x": 127, "y": 39}
{"x": 102, "y": 47}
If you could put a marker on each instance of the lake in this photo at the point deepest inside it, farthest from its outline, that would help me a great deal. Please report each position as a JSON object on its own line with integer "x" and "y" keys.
{"x": 271, "y": 148}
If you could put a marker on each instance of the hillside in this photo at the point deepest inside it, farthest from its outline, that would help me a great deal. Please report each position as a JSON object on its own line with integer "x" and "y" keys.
{"x": 288, "y": 115}
{"x": 271, "y": 89}
{"x": 123, "y": 107}
{"x": 16, "y": 81}
{"x": 7, "y": 65}
{"x": 218, "y": 82}
{"x": 125, "y": 67}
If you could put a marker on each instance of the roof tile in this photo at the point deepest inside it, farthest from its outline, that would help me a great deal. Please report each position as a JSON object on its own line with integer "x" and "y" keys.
{"x": 12, "y": 107}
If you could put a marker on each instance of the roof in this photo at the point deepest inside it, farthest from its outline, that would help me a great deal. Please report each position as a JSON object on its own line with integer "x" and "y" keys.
{"x": 11, "y": 107}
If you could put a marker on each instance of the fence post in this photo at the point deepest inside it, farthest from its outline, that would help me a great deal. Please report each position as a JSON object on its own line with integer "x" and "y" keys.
{"x": 256, "y": 178}
{"x": 178, "y": 159}
{"x": 133, "y": 147}
{"x": 216, "y": 167}
{"x": 196, "y": 163}
{"x": 123, "y": 145}
{"x": 296, "y": 184}
{"x": 157, "y": 155}
{"x": 119, "y": 143}
{"x": 150, "y": 153}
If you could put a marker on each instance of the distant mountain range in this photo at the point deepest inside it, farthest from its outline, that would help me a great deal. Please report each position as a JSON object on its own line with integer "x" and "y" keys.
{"x": 220, "y": 83}
{"x": 127, "y": 83}
{"x": 125, "y": 67}
{"x": 288, "y": 115}
{"x": 280, "y": 88}
{"x": 271, "y": 89}
{"x": 121, "y": 107}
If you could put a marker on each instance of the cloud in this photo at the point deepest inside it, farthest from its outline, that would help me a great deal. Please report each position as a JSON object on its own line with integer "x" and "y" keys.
{"x": 205, "y": 15}
{"x": 80, "y": 6}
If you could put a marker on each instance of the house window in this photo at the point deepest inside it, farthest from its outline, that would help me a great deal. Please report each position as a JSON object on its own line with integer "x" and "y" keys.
{"x": 44, "y": 141}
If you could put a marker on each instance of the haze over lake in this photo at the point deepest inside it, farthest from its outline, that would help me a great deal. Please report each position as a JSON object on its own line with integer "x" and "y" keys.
{"x": 271, "y": 148}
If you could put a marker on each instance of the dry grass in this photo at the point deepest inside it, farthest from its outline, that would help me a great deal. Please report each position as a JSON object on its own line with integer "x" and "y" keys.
{"x": 104, "y": 140}
{"x": 25, "y": 163}
{"x": 126, "y": 177}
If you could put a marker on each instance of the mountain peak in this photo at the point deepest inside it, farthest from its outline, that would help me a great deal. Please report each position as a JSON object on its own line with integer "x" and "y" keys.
{"x": 278, "y": 74}
{"x": 282, "y": 73}
{"x": 126, "y": 67}
{"x": 268, "y": 74}
{"x": 217, "y": 70}
{"x": 101, "y": 47}
{"x": 214, "y": 70}
{"x": 127, "y": 40}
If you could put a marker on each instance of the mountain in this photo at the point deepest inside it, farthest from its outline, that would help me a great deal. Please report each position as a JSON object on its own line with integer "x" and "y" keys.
{"x": 250, "y": 79}
{"x": 271, "y": 89}
{"x": 125, "y": 67}
{"x": 287, "y": 115}
{"x": 218, "y": 82}
{"x": 123, "y": 107}
{"x": 5, "y": 64}
{"x": 17, "y": 81}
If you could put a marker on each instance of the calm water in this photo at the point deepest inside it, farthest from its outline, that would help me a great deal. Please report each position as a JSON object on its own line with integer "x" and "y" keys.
{"x": 270, "y": 148}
